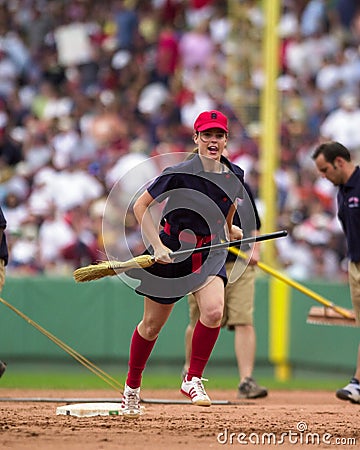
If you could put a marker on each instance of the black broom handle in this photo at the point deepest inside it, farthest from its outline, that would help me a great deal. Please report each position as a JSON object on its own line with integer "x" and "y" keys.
{"x": 249, "y": 240}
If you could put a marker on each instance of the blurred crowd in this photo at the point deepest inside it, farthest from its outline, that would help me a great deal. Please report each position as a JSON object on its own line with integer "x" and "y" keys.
{"x": 95, "y": 96}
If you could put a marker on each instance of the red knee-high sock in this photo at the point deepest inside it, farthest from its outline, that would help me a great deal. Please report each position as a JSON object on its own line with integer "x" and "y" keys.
{"x": 140, "y": 350}
{"x": 203, "y": 341}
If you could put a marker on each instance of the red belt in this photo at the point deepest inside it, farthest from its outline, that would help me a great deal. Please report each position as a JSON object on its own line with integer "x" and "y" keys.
{"x": 199, "y": 241}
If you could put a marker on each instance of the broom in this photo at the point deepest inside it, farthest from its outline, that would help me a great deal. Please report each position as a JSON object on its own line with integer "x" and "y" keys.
{"x": 329, "y": 314}
{"x": 111, "y": 268}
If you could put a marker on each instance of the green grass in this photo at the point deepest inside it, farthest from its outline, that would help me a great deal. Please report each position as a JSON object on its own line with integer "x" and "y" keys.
{"x": 64, "y": 380}
{"x": 52, "y": 374}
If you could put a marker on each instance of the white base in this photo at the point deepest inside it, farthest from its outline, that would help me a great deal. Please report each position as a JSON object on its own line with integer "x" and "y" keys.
{"x": 90, "y": 409}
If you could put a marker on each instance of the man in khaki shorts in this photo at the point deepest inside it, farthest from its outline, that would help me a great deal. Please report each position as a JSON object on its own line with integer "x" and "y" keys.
{"x": 3, "y": 262}
{"x": 239, "y": 302}
{"x": 334, "y": 162}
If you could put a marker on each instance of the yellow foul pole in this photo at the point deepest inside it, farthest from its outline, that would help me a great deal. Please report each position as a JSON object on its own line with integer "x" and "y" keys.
{"x": 279, "y": 295}
{"x": 269, "y": 143}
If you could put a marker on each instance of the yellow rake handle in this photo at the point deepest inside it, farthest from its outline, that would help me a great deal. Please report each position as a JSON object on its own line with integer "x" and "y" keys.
{"x": 294, "y": 284}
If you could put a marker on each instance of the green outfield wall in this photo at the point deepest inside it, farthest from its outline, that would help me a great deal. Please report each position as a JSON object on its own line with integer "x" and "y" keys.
{"x": 97, "y": 320}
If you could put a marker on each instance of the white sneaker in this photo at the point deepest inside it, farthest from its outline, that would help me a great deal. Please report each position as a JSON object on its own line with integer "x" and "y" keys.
{"x": 130, "y": 406}
{"x": 350, "y": 392}
{"x": 195, "y": 390}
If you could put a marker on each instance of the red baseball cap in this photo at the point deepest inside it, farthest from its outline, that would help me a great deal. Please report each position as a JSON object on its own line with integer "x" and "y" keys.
{"x": 211, "y": 119}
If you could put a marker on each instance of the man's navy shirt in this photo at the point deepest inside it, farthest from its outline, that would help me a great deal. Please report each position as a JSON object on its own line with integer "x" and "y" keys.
{"x": 348, "y": 199}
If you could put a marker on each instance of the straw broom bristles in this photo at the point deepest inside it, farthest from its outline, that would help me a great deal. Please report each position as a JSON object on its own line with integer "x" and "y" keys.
{"x": 111, "y": 268}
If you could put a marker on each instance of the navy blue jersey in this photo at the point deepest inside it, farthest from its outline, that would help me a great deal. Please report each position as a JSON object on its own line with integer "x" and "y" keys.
{"x": 197, "y": 202}
{"x": 3, "y": 244}
{"x": 348, "y": 199}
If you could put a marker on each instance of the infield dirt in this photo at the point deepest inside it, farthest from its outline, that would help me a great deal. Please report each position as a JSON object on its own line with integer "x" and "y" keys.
{"x": 285, "y": 419}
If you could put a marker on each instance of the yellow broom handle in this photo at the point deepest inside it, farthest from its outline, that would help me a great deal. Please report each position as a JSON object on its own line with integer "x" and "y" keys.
{"x": 294, "y": 284}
